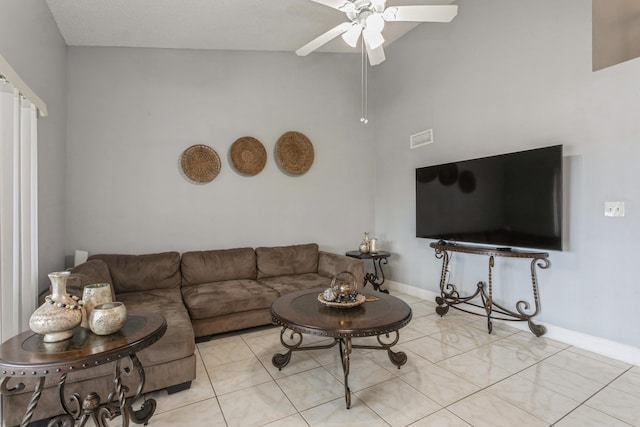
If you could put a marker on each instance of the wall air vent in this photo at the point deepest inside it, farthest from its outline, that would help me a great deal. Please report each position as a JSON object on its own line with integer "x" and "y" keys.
{"x": 422, "y": 138}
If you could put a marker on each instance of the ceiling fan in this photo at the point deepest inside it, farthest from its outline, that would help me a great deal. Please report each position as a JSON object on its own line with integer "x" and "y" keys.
{"x": 367, "y": 18}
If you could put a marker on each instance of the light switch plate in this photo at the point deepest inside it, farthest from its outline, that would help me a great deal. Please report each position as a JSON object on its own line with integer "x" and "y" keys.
{"x": 613, "y": 208}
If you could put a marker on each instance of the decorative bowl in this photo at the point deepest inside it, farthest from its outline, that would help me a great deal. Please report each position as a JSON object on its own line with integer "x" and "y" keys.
{"x": 108, "y": 318}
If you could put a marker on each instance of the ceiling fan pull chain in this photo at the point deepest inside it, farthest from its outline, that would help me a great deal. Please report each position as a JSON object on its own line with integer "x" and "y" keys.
{"x": 363, "y": 76}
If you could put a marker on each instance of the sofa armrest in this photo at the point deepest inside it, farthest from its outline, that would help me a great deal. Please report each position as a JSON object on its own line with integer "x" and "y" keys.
{"x": 330, "y": 264}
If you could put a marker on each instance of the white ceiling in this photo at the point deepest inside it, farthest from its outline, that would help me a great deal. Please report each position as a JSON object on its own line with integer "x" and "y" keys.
{"x": 263, "y": 25}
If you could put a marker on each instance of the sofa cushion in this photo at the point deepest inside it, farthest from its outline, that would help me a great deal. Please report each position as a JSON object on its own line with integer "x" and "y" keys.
{"x": 231, "y": 296}
{"x": 132, "y": 273}
{"x": 282, "y": 260}
{"x": 179, "y": 341}
{"x": 88, "y": 273}
{"x": 217, "y": 265}
{"x": 296, "y": 282}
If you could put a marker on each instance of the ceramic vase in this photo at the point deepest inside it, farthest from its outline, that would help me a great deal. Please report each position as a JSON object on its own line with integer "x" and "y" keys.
{"x": 60, "y": 313}
{"x": 93, "y": 295}
{"x": 109, "y": 318}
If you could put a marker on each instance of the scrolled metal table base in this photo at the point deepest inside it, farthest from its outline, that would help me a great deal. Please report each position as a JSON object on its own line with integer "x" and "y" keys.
{"x": 450, "y": 297}
{"x": 91, "y": 407}
{"x": 373, "y": 278}
{"x": 35, "y": 397}
{"x": 345, "y": 345}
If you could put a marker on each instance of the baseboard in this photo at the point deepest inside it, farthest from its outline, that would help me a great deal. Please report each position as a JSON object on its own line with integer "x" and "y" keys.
{"x": 604, "y": 347}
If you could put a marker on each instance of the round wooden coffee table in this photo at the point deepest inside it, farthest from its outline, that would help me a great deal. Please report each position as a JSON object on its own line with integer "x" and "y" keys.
{"x": 301, "y": 313}
{"x": 27, "y": 355}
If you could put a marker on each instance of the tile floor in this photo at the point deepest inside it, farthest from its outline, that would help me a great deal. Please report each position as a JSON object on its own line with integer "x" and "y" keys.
{"x": 456, "y": 375}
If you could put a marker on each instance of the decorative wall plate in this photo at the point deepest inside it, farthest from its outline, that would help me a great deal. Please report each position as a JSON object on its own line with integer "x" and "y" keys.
{"x": 200, "y": 163}
{"x": 294, "y": 153}
{"x": 248, "y": 156}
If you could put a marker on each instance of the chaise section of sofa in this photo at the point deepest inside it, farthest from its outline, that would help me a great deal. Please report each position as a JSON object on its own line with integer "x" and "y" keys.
{"x": 152, "y": 283}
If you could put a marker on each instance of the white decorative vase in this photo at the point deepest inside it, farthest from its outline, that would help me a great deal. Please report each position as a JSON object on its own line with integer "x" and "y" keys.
{"x": 108, "y": 318}
{"x": 93, "y": 295}
{"x": 60, "y": 313}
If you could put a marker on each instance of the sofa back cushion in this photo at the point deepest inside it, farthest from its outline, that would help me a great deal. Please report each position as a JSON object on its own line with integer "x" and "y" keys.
{"x": 132, "y": 273}
{"x": 218, "y": 265}
{"x": 88, "y": 273}
{"x": 284, "y": 260}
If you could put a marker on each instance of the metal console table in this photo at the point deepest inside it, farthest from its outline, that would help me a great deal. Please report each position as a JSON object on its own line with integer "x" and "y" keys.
{"x": 450, "y": 297}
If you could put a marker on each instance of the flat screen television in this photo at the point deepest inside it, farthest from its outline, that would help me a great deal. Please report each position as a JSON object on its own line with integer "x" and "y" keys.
{"x": 507, "y": 200}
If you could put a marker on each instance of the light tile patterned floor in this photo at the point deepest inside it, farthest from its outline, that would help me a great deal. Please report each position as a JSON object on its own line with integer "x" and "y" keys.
{"x": 456, "y": 375}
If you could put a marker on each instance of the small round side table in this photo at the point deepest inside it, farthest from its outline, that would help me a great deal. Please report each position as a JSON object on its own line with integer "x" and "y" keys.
{"x": 27, "y": 355}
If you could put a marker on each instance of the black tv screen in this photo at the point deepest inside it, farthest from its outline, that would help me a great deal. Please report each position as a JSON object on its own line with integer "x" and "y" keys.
{"x": 508, "y": 200}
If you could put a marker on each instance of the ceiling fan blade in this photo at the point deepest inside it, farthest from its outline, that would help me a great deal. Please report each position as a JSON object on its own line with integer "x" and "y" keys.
{"x": 424, "y": 13}
{"x": 322, "y": 39}
{"x": 376, "y": 56}
{"x": 341, "y": 5}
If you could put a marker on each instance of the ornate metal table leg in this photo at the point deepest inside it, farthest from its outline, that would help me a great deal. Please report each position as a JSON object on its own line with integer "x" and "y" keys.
{"x": 345, "y": 351}
{"x": 397, "y": 358}
{"x": 280, "y": 360}
{"x": 441, "y": 300}
{"x": 35, "y": 397}
{"x": 70, "y": 416}
{"x": 142, "y": 415}
{"x": 375, "y": 280}
{"x": 489, "y": 303}
{"x": 538, "y": 330}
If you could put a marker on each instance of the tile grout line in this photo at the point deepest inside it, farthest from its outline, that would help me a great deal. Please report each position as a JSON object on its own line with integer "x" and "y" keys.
{"x": 584, "y": 402}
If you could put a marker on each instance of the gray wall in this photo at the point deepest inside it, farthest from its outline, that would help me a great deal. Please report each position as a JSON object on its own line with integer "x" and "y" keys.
{"x": 132, "y": 112}
{"x": 31, "y": 43}
{"x": 505, "y": 76}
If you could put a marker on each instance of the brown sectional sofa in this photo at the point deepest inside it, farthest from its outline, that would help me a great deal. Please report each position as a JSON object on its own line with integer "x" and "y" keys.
{"x": 200, "y": 293}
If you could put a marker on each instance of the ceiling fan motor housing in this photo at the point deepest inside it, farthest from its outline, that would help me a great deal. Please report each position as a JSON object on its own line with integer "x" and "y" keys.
{"x": 359, "y": 10}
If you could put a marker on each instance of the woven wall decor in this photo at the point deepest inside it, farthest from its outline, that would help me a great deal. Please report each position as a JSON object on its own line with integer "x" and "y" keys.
{"x": 200, "y": 163}
{"x": 294, "y": 153}
{"x": 248, "y": 156}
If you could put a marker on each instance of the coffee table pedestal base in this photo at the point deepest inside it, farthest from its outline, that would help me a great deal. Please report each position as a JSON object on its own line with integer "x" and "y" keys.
{"x": 280, "y": 360}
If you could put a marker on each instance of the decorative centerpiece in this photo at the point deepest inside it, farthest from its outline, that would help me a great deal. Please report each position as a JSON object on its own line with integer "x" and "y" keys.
{"x": 60, "y": 313}
{"x": 343, "y": 292}
{"x": 108, "y": 318}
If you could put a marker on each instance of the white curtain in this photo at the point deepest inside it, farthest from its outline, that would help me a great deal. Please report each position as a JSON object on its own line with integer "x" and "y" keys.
{"x": 19, "y": 211}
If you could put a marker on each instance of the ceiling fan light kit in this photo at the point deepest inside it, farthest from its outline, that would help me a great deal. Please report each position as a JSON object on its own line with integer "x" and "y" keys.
{"x": 352, "y": 35}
